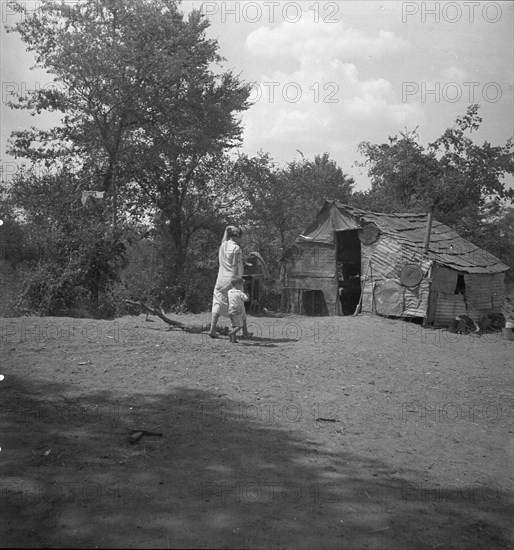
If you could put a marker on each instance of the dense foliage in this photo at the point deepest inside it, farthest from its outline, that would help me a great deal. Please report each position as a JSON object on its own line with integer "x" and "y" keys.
{"x": 463, "y": 184}
{"x": 147, "y": 117}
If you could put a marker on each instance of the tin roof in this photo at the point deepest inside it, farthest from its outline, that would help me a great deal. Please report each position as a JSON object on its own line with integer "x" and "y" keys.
{"x": 446, "y": 247}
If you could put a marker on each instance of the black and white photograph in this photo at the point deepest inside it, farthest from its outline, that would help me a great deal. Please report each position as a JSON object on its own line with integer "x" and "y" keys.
{"x": 257, "y": 274}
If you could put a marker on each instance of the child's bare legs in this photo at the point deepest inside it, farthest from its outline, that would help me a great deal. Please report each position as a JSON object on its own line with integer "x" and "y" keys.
{"x": 235, "y": 328}
{"x": 232, "y": 335}
{"x": 246, "y": 334}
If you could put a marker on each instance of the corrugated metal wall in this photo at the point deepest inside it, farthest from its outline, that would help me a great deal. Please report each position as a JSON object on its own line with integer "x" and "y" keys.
{"x": 415, "y": 300}
{"x": 483, "y": 294}
{"x": 449, "y": 306}
{"x": 383, "y": 293}
{"x": 386, "y": 254}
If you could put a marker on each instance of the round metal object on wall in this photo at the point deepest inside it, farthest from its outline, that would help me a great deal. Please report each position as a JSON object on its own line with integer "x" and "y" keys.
{"x": 411, "y": 275}
{"x": 368, "y": 233}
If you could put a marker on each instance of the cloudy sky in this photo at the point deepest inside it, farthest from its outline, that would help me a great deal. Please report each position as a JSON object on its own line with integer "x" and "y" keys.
{"x": 329, "y": 75}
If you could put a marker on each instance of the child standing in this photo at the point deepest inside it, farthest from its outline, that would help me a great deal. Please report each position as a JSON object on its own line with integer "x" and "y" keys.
{"x": 236, "y": 307}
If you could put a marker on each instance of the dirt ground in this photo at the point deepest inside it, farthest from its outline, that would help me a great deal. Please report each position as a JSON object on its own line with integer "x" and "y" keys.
{"x": 349, "y": 432}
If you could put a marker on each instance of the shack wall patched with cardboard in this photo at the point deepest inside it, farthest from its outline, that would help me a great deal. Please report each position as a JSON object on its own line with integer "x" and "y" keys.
{"x": 384, "y": 255}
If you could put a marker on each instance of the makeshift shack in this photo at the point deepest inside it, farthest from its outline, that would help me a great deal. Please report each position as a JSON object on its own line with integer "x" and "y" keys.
{"x": 350, "y": 258}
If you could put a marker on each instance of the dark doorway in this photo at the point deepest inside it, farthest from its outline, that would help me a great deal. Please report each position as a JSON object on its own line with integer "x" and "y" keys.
{"x": 314, "y": 302}
{"x": 348, "y": 269}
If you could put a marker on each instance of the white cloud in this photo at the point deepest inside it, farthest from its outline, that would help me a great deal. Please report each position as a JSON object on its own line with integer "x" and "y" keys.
{"x": 314, "y": 97}
{"x": 324, "y": 94}
{"x": 297, "y": 100}
{"x": 310, "y": 42}
{"x": 332, "y": 102}
{"x": 454, "y": 74}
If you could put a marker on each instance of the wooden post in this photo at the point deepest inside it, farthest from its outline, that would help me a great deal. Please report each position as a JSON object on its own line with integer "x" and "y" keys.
{"x": 428, "y": 230}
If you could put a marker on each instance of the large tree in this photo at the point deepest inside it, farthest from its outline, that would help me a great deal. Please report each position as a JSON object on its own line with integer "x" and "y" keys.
{"x": 401, "y": 171}
{"x": 147, "y": 112}
{"x": 282, "y": 201}
{"x": 453, "y": 176}
{"x": 472, "y": 177}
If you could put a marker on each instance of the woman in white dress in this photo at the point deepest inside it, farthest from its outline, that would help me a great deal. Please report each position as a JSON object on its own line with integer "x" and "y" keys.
{"x": 230, "y": 258}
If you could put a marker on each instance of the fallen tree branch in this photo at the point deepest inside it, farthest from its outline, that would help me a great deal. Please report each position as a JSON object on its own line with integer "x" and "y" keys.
{"x": 195, "y": 329}
{"x": 155, "y": 311}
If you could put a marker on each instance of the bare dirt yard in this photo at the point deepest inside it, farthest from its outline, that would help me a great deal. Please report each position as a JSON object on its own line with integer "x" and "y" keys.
{"x": 349, "y": 432}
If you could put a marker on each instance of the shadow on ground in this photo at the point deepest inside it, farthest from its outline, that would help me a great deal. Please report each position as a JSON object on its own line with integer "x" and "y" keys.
{"x": 215, "y": 479}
